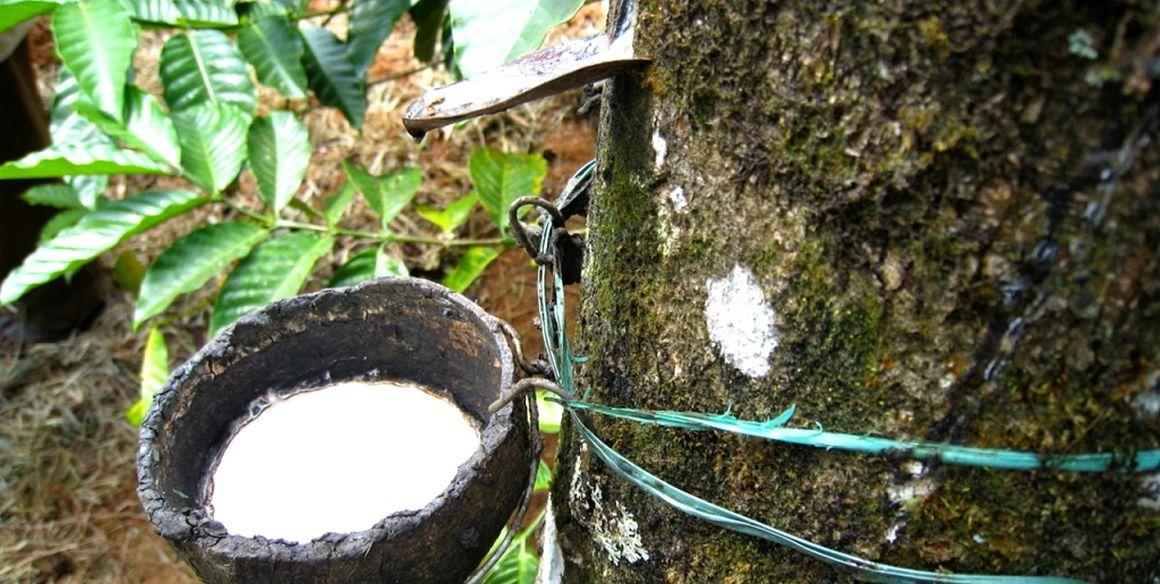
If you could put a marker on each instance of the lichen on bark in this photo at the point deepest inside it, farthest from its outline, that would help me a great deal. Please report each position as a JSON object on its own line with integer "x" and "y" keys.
{"x": 953, "y": 213}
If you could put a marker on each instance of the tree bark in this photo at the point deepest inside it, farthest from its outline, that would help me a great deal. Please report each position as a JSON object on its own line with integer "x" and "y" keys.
{"x": 950, "y": 213}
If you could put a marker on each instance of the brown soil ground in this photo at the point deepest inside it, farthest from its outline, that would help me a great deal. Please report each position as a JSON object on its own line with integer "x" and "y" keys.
{"x": 68, "y": 505}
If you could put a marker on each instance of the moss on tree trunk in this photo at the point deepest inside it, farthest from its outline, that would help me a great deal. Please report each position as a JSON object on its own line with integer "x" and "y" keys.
{"x": 952, "y": 211}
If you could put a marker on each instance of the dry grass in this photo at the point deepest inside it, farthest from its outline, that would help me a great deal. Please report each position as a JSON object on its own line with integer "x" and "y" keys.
{"x": 68, "y": 509}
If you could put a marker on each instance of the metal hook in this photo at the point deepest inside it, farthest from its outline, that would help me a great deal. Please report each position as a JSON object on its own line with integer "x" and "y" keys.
{"x": 520, "y": 230}
{"x": 524, "y": 386}
{"x": 537, "y": 367}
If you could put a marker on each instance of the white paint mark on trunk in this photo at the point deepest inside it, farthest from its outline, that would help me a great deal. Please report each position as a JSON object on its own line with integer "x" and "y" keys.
{"x": 740, "y": 322}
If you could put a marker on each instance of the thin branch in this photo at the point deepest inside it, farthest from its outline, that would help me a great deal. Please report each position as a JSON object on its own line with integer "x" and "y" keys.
{"x": 399, "y": 75}
{"x": 300, "y": 225}
{"x": 396, "y": 237}
{"x": 264, "y": 220}
{"x": 448, "y": 242}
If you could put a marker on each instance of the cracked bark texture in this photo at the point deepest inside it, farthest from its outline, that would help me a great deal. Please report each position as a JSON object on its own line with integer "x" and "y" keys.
{"x": 952, "y": 210}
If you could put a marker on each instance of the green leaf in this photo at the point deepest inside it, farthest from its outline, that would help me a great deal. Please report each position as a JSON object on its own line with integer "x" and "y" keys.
{"x": 331, "y": 76}
{"x": 518, "y": 564}
{"x": 449, "y": 218}
{"x": 190, "y": 262}
{"x": 543, "y": 477}
{"x": 14, "y": 12}
{"x": 469, "y": 267}
{"x": 154, "y": 372}
{"x": 501, "y": 178}
{"x": 550, "y": 414}
{"x": 274, "y": 48}
{"x": 388, "y": 194}
{"x": 146, "y": 127}
{"x": 204, "y": 66}
{"x": 388, "y": 265}
{"x": 428, "y": 16}
{"x": 335, "y": 205}
{"x": 274, "y": 270}
{"x": 89, "y": 188}
{"x": 128, "y": 271}
{"x": 59, "y": 222}
{"x": 369, "y": 263}
{"x": 489, "y": 33}
{"x": 72, "y": 158}
{"x": 94, "y": 233}
{"x": 279, "y": 152}
{"x": 299, "y": 205}
{"x": 213, "y": 143}
{"x": 185, "y": 13}
{"x": 358, "y": 268}
{"x": 56, "y": 195}
{"x": 371, "y": 22}
{"x": 95, "y": 40}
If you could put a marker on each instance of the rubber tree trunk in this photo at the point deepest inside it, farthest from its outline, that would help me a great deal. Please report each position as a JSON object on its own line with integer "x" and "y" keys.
{"x": 920, "y": 220}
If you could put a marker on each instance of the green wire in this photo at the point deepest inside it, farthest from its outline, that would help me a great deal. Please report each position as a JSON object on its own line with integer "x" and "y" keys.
{"x": 1142, "y": 461}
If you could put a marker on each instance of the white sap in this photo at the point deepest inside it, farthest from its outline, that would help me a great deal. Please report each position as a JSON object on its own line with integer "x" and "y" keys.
{"x": 339, "y": 459}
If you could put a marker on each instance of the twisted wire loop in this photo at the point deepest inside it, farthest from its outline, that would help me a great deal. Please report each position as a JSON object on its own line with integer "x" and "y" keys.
{"x": 531, "y": 368}
{"x": 521, "y": 231}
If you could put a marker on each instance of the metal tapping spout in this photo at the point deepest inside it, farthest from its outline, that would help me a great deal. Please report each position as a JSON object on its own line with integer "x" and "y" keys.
{"x": 568, "y": 65}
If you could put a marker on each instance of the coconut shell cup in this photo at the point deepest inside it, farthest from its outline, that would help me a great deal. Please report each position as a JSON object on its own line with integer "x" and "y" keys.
{"x": 388, "y": 329}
